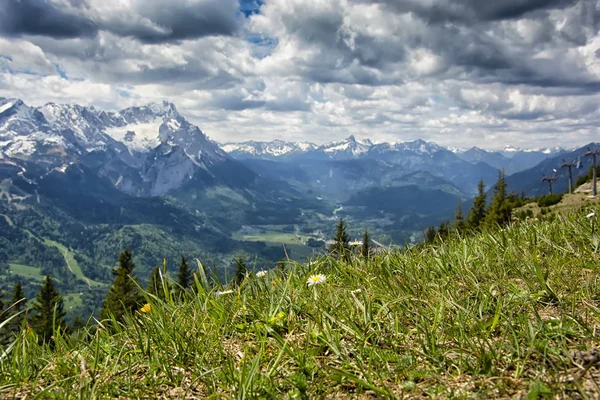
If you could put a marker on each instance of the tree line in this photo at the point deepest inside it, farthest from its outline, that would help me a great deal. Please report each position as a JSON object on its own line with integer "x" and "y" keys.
{"x": 47, "y": 313}
{"x": 481, "y": 215}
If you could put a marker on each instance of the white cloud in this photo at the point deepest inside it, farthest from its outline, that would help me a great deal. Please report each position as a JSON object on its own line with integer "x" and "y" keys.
{"x": 459, "y": 73}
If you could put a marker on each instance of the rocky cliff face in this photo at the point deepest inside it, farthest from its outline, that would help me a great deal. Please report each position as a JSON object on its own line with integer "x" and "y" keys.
{"x": 146, "y": 151}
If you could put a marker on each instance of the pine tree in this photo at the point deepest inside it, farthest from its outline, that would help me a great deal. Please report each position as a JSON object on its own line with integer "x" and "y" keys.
{"x": 477, "y": 212}
{"x": 48, "y": 314}
{"x": 459, "y": 219}
{"x": 443, "y": 230}
{"x": 2, "y": 306}
{"x": 499, "y": 211}
{"x": 341, "y": 240}
{"x": 429, "y": 235}
{"x": 155, "y": 284}
{"x": 240, "y": 271}
{"x": 124, "y": 295}
{"x": 184, "y": 275}
{"x": 17, "y": 304}
{"x": 366, "y": 248}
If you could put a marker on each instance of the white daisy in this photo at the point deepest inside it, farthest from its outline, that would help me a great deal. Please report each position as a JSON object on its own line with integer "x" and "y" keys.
{"x": 316, "y": 279}
{"x": 260, "y": 274}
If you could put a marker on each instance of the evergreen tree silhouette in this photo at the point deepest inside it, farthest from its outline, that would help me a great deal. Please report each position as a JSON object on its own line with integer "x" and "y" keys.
{"x": 459, "y": 219}
{"x": 429, "y": 235}
{"x": 365, "y": 251}
{"x": 17, "y": 304}
{"x": 477, "y": 212}
{"x": 184, "y": 275}
{"x": 499, "y": 210}
{"x": 124, "y": 295}
{"x": 2, "y": 306}
{"x": 341, "y": 240}
{"x": 48, "y": 314}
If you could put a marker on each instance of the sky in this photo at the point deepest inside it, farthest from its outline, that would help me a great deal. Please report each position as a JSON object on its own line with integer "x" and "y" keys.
{"x": 460, "y": 73}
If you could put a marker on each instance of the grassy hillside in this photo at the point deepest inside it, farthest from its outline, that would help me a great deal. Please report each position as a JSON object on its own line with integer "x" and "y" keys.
{"x": 503, "y": 314}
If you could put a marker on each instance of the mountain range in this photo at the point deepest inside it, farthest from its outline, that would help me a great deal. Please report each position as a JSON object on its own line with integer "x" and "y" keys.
{"x": 462, "y": 168}
{"x": 87, "y": 182}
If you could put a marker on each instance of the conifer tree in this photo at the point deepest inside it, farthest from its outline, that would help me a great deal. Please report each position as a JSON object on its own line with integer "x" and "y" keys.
{"x": 155, "y": 284}
{"x": 240, "y": 271}
{"x": 48, "y": 314}
{"x": 429, "y": 236}
{"x": 17, "y": 304}
{"x": 3, "y": 316}
{"x": 499, "y": 211}
{"x": 184, "y": 275}
{"x": 443, "y": 230}
{"x": 2, "y": 306}
{"x": 124, "y": 295}
{"x": 341, "y": 240}
{"x": 477, "y": 212}
{"x": 366, "y": 248}
{"x": 459, "y": 219}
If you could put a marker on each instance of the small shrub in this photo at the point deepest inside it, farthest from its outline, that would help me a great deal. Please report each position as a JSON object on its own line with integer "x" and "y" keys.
{"x": 549, "y": 200}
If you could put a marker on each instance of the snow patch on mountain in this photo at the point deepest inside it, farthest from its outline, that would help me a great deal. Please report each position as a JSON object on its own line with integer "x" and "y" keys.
{"x": 7, "y": 105}
{"x": 139, "y": 137}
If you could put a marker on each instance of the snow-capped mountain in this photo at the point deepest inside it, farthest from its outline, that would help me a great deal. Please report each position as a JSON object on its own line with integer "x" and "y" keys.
{"x": 146, "y": 150}
{"x": 510, "y": 159}
{"x": 347, "y": 148}
{"x": 267, "y": 150}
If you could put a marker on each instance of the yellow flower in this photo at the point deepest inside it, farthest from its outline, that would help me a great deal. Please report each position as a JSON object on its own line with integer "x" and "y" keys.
{"x": 277, "y": 318}
{"x": 146, "y": 308}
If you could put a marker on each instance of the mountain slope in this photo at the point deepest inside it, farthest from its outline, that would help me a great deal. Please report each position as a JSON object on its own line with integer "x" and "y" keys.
{"x": 529, "y": 181}
{"x": 146, "y": 151}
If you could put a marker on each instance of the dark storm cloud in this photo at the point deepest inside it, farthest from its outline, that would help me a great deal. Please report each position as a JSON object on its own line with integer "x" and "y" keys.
{"x": 172, "y": 20}
{"x": 472, "y": 10}
{"x": 148, "y": 21}
{"x": 43, "y": 17}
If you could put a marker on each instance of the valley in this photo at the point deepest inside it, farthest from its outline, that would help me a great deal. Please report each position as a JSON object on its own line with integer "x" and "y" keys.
{"x": 79, "y": 185}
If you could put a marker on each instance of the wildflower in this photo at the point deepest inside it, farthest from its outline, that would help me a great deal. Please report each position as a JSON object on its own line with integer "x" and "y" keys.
{"x": 316, "y": 279}
{"x": 277, "y": 318}
{"x": 220, "y": 293}
{"x": 145, "y": 308}
{"x": 590, "y": 215}
{"x": 260, "y": 274}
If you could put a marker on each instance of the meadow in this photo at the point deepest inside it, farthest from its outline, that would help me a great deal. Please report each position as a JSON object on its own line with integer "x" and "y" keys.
{"x": 510, "y": 312}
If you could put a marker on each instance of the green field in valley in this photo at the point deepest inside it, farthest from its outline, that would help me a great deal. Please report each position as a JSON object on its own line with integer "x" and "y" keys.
{"x": 26, "y": 271}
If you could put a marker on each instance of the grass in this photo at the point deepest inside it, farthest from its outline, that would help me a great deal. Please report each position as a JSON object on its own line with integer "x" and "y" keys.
{"x": 506, "y": 313}
{"x": 26, "y": 271}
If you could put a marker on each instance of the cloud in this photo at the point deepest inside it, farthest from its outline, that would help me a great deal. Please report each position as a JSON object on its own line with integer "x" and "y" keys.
{"x": 56, "y": 18}
{"x": 459, "y": 72}
{"x": 166, "y": 20}
{"x": 154, "y": 21}
{"x": 469, "y": 11}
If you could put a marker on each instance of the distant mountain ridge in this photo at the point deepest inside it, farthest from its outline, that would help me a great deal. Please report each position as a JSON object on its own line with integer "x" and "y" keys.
{"x": 510, "y": 158}
{"x": 461, "y": 168}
